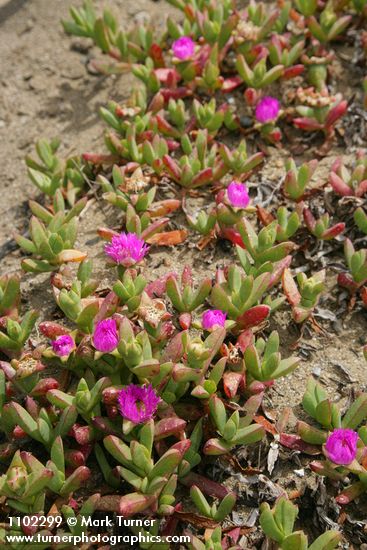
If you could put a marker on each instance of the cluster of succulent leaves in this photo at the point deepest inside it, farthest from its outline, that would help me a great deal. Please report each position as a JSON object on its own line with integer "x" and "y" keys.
{"x": 211, "y": 383}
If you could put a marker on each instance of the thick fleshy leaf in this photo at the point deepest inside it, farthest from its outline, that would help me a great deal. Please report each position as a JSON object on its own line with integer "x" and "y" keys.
{"x": 168, "y": 238}
{"x": 253, "y": 316}
{"x": 290, "y": 288}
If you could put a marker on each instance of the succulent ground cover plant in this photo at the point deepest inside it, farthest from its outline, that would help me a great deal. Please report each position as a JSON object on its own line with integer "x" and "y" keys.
{"x": 158, "y": 379}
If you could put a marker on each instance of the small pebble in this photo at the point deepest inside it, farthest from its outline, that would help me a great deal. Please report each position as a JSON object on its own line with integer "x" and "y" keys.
{"x": 337, "y": 326}
{"x": 246, "y": 121}
{"x": 316, "y": 371}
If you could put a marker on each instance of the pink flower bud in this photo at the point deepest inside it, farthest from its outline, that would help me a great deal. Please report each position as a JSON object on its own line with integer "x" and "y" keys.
{"x": 213, "y": 318}
{"x": 63, "y": 345}
{"x": 105, "y": 336}
{"x": 238, "y": 194}
{"x": 267, "y": 109}
{"x": 341, "y": 446}
{"x": 183, "y": 48}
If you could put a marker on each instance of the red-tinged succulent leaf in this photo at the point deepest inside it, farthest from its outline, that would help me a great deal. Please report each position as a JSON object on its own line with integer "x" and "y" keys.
{"x": 182, "y": 446}
{"x": 157, "y": 103}
{"x": 309, "y": 219}
{"x": 110, "y": 395}
{"x": 7, "y": 369}
{"x": 337, "y": 164}
{"x": 170, "y": 527}
{"x": 162, "y": 208}
{"x": 215, "y": 447}
{"x": 168, "y": 238}
{"x": 106, "y": 234}
{"x": 186, "y": 276}
{"x": 18, "y": 433}
{"x": 231, "y": 382}
{"x": 43, "y": 386}
{"x": 290, "y": 288}
{"x": 30, "y": 530}
{"x": 206, "y": 485}
{"x": 52, "y": 330}
{"x": 74, "y": 458}
{"x": 71, "y": 255}
{"x": 292, "y": 72}
{"x": 95, "y": 158}
{"x": 157, "y": 288}
{"x": 268, "y": 426}
{"x": 275, "y": 135}
{"x": 172, "y": 167}
{"x": 134, "y": 503}
{"x": 233, "y": 535}
{"x": 256, "y": 387}
{"x": 175, "y": 93}
{"x": 180, "y": 373}
{"x": 264, "y": 216}
{"x": 278, "y": 270}
{"x": 174, "y": 349}
{"x": 202, "y": 178}
{"x": 199, "y": 392}
{"x": 361, "y": 189}
{"x": 232, "y": 235}
{"x": 336, "y": 112}
{"x": 294, "y": 442}
{"x": 339, "y": 186}
{"x": 164, "y": 75}
{"x": 323, "y": 468}
{"x": 283, "y": 419}
{"x": 156, "y": 53}
{"x": 300, "y": 314}
{"x": 230, "y": 84}
{"x": 154, "y": 227}
{"x": 220, "y": 196}
{"x": 346, "y": 281}
{"x": 169, "y": 426}
{"x": 350, "y": 493}
{"x": 308, "y": 124}
{"x": 253, "y": 316}
{"x": 7, "y": 450}
{"x": 108, "y": 307}
{"x": 245, "y": 339}
{"x": 165, "y": 127}
{"x": 364, "y": 295}
{"x": 83, "y": 434}
{"x": 252, "y": 96}
{"x": 185, "y": 320}
{"x": 334, "y": 231}
{"x": 172, "y": 146}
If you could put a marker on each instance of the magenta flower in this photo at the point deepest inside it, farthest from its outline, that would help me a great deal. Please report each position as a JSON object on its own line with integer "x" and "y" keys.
{"x": 267, "y": 109}
{"x": 341, "y": 446}
{"x": 105, "y": 336}
{"x": 183, "y": 48}
{"x": 126, "y": 249}
{"x": 238, "y": 194}
{"x": 213, "y": 318}
{"x": 63, "y": 345}
{"x": 138, "y": 403}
